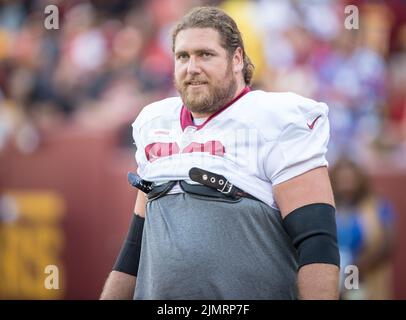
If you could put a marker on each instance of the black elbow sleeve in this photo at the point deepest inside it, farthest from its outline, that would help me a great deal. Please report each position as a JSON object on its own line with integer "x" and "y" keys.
{"x": 129, "y": 257}
{"x": 313, "y": 231}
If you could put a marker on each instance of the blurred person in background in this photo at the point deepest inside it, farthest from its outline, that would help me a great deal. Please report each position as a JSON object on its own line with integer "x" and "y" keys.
{"x": 365, "y": 230}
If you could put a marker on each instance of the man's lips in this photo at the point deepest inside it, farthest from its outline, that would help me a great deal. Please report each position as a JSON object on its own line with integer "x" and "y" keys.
{"x": 195, "y": 83}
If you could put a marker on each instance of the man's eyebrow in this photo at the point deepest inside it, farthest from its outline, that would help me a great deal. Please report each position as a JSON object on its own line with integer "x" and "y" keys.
{"x": 206, "y": 50}
{"x": 180, "y": 52}
{"x": 197, "y": 51}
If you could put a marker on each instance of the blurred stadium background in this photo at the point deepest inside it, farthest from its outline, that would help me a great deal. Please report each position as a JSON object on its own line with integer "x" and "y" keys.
{"x": 69, "y": 96}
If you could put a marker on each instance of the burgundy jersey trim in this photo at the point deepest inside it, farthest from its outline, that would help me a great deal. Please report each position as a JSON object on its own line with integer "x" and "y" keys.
{"x": 186, "y": 115}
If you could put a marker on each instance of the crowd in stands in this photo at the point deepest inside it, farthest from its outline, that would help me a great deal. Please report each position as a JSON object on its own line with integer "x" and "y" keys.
{"x": 108, "y": 59}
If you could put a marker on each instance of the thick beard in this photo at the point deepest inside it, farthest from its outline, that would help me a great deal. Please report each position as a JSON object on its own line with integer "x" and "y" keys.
{"x": 213, "y": 99}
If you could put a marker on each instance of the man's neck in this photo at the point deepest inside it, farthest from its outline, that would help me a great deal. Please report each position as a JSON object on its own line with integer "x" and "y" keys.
{"x": 197, "y": 115}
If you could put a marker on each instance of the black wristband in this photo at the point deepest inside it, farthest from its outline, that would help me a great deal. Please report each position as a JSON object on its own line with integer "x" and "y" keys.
{"x": 129, "y": 257}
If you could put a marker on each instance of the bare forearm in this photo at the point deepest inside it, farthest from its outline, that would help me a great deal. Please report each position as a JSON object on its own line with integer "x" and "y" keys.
{"x": 118, "y": 286}
{"x": 318, "y": 281}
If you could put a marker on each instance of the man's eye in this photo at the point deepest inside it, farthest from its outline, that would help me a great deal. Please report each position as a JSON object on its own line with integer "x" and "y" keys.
{"x": 182, "y": 56}
{"x": 206, "y": 54}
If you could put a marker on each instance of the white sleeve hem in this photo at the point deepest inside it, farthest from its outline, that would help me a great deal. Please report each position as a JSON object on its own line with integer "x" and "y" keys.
{"x": 298, "y": 170}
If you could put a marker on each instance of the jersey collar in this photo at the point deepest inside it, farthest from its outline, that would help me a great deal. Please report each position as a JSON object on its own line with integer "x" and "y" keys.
{"x": 186, "y": 115}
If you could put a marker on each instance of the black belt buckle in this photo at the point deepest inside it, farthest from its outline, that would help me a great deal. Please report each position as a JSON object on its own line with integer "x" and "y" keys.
{"x": 136, "y": 181}
{"x": 228, "y": 187}
{"x": 212, "y": 180}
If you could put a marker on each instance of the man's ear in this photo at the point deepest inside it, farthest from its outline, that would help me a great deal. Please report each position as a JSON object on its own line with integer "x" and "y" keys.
{"x": 238, "y": 60}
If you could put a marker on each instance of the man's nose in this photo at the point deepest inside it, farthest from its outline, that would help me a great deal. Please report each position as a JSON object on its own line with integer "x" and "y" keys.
{"x": 193, "y": 66}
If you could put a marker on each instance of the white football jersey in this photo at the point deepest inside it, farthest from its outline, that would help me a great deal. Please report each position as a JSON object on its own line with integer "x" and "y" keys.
{"x": 258, "y": 140}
